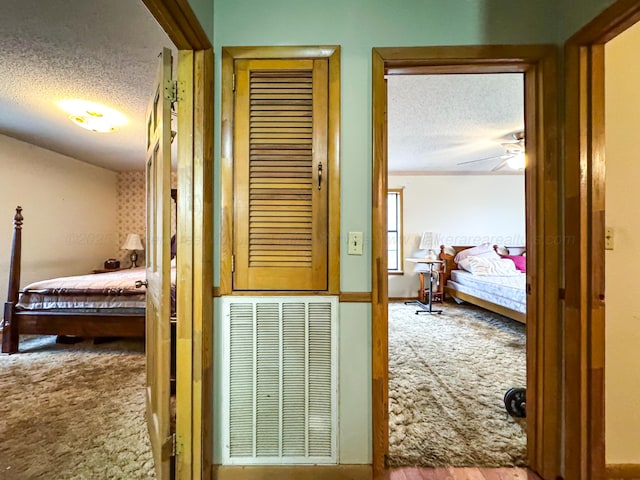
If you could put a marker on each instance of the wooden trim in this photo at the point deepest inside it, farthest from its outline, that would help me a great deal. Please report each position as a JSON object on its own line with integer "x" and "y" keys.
{"x": 262, "y": 52}
{"x": 575, "y": 316}
{"x": 544, "y": 334}
{"x": 355, "y": 297}
{"x": 226, "y": 175}
{"x": 624, "y": 470}
{"x": 608, "y": 24}
{"x": 179, "y": 22}
{"x": 229, "y": 55}
{"x": 584, "y": 258}
{"x": 595, "y": 338}
{"x": 315, "y": 472}
{"x": 379, "y": 268}
{"x": 538, "y": 64}
{"x": 202, "y": 341}
{"x": 333, "y": 152}
{"x": 461, "y": 59}
{"x": 215, "y": 292}
{"x": 184, "y": 236}
{"x": 274, "y": 293}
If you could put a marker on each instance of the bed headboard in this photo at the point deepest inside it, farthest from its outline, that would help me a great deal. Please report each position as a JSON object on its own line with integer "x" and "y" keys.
{"x": 510, "y": 249}
{"x": 447, "y": 254}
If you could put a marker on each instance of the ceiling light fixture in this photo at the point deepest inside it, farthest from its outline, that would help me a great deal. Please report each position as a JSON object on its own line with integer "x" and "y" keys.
{"x": 93, "y": 116}
{"x": 517, "y": 162}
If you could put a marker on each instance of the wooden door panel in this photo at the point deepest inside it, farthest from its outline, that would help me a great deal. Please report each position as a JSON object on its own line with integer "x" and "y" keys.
{"x": 281, "y": 170}
{"x": 158, "y": 330}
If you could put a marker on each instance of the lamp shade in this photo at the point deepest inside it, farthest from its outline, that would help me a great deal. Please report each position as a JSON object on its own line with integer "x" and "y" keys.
{"x": 133, "y": 242}
{"x": 426, "y": 241}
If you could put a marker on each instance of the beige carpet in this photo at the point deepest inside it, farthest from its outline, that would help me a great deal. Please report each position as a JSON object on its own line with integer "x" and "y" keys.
{"x": 74, "y": 411}
{"x": 448, "y": 375}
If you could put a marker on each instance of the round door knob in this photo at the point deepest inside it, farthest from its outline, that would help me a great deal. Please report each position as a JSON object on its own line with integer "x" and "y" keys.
{"x": 141, "y": 283}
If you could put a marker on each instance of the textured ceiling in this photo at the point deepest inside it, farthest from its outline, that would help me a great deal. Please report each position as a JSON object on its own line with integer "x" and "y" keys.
{"x": 436, "y": 122}
{"x": 104, "y": 51}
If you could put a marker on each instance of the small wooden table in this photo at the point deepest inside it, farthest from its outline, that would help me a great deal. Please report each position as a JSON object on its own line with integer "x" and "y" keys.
{"x": 428, "y": 306}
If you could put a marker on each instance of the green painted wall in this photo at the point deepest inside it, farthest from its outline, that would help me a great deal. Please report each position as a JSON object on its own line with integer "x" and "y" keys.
{"x": 575, "y": 14}
{"x": 203, "y": 10}
{"x": 358, "y": 26}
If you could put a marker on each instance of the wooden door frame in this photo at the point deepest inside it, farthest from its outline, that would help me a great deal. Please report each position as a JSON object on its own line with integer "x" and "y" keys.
{"x": 194, "y": 344}
{"x": 544, "y": 359}
{"x": 584, "y": 254}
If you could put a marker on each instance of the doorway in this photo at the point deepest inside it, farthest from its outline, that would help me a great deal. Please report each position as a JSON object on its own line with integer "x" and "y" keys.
{"x": 453, "y": 142}
{"x": 585, "y": 304}
{"x": 194, "y": 232}
{"x": 537, "y": 63}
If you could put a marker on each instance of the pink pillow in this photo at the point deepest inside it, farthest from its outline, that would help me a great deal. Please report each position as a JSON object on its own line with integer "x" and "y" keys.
{"x": 519, "y": 260}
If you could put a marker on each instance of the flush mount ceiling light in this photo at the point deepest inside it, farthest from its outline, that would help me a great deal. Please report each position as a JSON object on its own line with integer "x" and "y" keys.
{"x": 93, "y": 116}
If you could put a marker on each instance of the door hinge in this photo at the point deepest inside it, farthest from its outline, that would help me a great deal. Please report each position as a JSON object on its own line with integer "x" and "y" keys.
{"x": 169, "y": 447}
{"x": 233, "y": 83}
{"x": 171, "y": 90}
{"x": 233, "y": 263}
{"x": 178, "y": 445}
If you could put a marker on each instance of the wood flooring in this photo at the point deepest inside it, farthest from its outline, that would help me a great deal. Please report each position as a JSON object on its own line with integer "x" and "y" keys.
{"x": 450, "y": 473}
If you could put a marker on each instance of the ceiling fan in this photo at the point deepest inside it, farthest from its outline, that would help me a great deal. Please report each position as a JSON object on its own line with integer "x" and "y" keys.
{"x": 513, "y": 156}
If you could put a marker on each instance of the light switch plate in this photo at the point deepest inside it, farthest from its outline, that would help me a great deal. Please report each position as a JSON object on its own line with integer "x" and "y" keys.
{"x": 355, "y": 243}
{"x": 608, "y": 238}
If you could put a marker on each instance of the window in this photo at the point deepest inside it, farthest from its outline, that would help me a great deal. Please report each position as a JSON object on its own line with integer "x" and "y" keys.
{"x": 394, "y": 230}
{"x": 284, "y": 169}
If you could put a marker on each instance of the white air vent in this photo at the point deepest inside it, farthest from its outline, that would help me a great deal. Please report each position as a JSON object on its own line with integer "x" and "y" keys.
{"x": 280, "y": 382}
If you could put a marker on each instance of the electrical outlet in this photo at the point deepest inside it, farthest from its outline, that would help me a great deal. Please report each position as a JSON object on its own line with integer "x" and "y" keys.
{"x": 355, "y": 243}
{"x": 608, "y": 238}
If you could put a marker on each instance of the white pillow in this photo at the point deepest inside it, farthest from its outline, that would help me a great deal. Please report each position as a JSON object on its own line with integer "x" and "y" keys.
{"x": 491, "y": 254}
{"x": 475, "y": 251}
{"x": 489, "y": 266}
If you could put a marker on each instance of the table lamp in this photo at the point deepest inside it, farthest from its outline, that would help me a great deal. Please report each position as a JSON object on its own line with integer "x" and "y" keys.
{"x": 426, "y": 243}
{"x": 133, "y": 243}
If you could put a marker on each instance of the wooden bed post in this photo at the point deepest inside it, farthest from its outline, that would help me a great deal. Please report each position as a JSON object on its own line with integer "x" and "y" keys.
{"x": 10, "y": 331}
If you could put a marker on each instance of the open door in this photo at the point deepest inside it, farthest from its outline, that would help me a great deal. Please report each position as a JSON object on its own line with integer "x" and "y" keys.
{"x": 158, "y": 329}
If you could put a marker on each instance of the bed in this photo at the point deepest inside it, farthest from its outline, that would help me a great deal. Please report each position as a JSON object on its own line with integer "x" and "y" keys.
{"x": 96, "y": 305}
{"x": 504, "y": 293}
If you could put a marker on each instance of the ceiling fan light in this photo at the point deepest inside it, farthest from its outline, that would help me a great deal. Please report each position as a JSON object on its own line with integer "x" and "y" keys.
{"x": 517, "y": 162}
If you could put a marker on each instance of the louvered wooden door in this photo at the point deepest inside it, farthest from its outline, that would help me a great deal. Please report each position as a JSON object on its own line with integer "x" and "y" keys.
{"x": 280, "y": 175}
